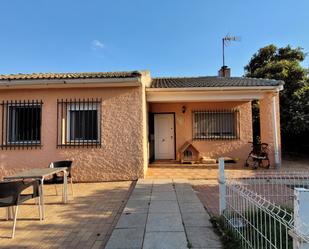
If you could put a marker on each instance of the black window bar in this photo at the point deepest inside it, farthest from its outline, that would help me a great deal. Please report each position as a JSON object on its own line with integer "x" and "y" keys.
{"x": 21, "y": 124}
{"x": 79, "y": 123}
{"x": 216, "y": 124}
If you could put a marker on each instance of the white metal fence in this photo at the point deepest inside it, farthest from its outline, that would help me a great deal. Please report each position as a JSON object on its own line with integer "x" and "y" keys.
{"x": 269, "y": 210}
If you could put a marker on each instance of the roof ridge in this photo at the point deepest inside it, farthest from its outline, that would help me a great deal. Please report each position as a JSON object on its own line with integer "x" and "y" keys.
{"x": 260, "y": 78}
{"x": 218, "y": 77}
{"x": 185, "y": 77}
{"x": 74, "y": 75}
{"x": 93, "y": 72}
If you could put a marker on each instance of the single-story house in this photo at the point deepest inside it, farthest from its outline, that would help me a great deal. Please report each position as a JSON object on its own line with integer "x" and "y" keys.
{"x": 112, "y": 124}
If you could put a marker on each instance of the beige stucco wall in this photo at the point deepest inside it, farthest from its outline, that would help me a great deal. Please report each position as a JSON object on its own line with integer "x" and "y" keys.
{"x": 121, "y": 156}
{"x": 213, "y": 148}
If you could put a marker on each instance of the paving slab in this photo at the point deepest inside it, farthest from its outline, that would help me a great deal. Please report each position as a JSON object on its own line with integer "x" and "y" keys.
{"x": 163, "y": 207}
{"x": 162, "y": 180}
{"x": 140, "y": 196}
{"x": 164, "y": 196}
{"x": 140, "y": 206}
{"x": 188, "y": 198}
{"x": 182, "y": 186}
{"x": 165, "y": 240}
{"x": 203, "y": 237}
{"x": 164, "y": 222}
{"x": 192, "y": 207}
{"x": 126, "y": 238}
{"x": 142, "y": 189}
{"x": 146, "y": 191}
{"x": 163, "y": 184}
{"x": 132, "y": 220}
{"x": 184, "y": 191}
{"x": 196, "y": 219}
{"x": 163, "y": 189}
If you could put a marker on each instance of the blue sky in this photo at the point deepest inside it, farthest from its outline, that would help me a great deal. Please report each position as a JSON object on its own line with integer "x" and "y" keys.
{"x": 167, "y": 37}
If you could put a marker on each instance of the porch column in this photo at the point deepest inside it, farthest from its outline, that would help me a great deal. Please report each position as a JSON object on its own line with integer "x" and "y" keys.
{"x": 275, "y": 128}
{"x": 270, "y": 126}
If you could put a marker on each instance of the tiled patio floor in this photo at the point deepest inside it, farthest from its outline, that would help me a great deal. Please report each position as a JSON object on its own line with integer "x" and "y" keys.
{"x": 85, "y": 222}
{"x": 194, "y": 172}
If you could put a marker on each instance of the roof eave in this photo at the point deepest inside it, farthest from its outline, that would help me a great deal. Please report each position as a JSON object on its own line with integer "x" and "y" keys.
{"x": 66, "y": 83}
{"x": 229, "y": 88}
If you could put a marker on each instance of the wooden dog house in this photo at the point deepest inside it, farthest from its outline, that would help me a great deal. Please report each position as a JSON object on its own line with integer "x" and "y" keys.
{"x": 188, "y": 153}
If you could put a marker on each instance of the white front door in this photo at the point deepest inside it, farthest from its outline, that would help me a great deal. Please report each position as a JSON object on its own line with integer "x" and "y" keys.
{"x": 164, "y": 136}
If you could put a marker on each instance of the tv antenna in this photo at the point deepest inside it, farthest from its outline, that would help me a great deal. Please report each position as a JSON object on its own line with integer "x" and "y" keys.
{"x": 226, "y": 41}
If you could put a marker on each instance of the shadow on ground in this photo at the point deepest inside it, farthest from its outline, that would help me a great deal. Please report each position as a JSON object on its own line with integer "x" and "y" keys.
{"x": 85, "y": 222}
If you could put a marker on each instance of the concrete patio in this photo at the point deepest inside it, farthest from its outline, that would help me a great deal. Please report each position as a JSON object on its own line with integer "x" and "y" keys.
{"x": 163, "y": 214}
{"x": 85, "y": 222}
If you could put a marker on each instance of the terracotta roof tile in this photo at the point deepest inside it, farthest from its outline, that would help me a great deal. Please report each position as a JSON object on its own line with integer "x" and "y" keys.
{"x": 212, "y": 81}
{"x": 51, "y": 76}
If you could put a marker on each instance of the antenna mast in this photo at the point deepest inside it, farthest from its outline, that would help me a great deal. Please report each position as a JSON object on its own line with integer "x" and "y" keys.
{"x": 226, "y": 41}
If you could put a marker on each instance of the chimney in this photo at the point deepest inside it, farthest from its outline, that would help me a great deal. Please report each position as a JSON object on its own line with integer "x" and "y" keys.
{"x": 224, "y": 71}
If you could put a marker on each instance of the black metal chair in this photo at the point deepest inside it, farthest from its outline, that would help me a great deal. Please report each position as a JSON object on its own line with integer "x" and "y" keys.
{"x": 57, "y": 178}
{"x": 11, "y": 196}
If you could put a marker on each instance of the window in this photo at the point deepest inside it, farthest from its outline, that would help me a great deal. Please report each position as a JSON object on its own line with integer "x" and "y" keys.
{"x": 21, "y": 124}
{"x": 83, "y": 122}
{"x": 79, "y": 123}
{"x": 222, "y": 124}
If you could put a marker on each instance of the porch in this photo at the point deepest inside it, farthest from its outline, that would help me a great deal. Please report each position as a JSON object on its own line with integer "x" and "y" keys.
{"x": 215, "y": 123}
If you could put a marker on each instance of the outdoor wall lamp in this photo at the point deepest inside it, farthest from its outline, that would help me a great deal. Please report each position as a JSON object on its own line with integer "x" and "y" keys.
{"x": 184, "y": 108}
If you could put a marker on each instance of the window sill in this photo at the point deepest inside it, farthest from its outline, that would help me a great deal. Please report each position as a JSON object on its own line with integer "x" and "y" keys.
{"x": 216, "y": 138}
{"x": 17, "y": 146}
{"x": 80, "y": 145}
{"x": 36, "y": 142}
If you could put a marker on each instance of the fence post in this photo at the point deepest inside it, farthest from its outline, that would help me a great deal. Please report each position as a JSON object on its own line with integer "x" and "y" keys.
{"x": 301, "y": 217}
{"x": 222, "y": 188}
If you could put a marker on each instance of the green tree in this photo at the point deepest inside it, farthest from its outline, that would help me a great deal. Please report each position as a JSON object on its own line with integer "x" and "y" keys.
{"x": 285, "y": 64}
{"x": 300, "y": 108}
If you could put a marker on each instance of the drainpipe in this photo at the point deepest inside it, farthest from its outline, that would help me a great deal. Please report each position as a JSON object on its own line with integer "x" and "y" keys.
{"x": 275, "y": 129}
